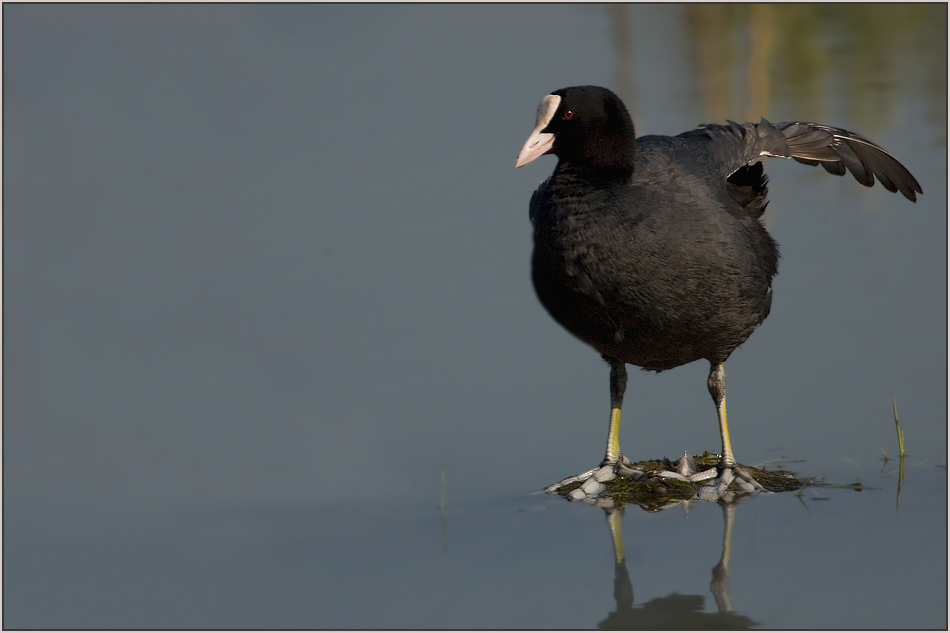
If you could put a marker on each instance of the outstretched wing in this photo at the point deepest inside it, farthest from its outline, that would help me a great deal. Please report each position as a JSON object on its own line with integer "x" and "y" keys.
{"x": 735, "y": 145}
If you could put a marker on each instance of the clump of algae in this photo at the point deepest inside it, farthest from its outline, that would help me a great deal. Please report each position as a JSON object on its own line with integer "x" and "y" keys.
{"x": 654, "y": 492}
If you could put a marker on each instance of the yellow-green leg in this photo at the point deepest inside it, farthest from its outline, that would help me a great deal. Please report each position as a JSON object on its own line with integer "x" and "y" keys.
{"x": 618, "y": 384}
{"x": 727, "y": 469}
{"x": 717, "y": 389}
{"x": 594, "y": 480}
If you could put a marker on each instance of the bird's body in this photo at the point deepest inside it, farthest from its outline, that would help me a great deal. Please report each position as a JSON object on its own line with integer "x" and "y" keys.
{"x": 651, "y": 250}
{"x": 654, "y": 270}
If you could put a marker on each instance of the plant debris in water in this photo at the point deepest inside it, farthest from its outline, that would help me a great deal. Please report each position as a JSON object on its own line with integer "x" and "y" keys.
{"x": 657, "y": 492}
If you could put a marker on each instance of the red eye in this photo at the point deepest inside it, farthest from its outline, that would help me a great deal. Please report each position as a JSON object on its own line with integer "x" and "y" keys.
{"x": 567, "y": 116}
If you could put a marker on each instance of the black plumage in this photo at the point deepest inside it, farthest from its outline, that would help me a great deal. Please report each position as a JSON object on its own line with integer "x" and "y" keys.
{"x": 651, "y": 249}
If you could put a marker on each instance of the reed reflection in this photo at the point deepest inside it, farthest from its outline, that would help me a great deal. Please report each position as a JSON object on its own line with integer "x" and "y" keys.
{"x": 756, "y": 58}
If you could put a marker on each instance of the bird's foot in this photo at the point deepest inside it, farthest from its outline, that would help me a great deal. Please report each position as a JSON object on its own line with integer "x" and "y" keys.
{"x": 594, "y": 481}
{"x": 718, "y": 479}
{"x": 722, "y": 482}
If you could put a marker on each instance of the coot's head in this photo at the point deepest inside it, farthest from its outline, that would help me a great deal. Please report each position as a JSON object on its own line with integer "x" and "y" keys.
{"x": 587, "y": 128}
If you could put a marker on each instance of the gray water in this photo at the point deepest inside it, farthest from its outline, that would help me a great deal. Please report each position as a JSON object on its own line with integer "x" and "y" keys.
{"x": 266, "y": 283}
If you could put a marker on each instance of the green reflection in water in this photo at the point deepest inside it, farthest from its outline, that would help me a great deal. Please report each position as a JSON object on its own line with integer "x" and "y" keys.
{"x": 813, "y": 58}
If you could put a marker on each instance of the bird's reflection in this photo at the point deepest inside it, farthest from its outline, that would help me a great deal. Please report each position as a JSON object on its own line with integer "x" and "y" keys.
{"x": 675, "y": 611}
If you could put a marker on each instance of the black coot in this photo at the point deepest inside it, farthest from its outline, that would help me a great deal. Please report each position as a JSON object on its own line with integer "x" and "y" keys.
{"x": 651, "y": 249}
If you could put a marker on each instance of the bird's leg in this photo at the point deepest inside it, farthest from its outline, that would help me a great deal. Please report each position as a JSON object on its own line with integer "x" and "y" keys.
{"x": 594, "y": 479}
{"x": 717, "y": 389}
{"x": 618, "y": 384}
{"x": 727, "y": 469}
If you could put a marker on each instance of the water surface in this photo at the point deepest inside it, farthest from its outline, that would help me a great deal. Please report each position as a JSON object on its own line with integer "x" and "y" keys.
{"x": 266, "y": 276}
